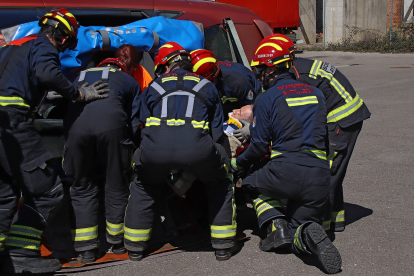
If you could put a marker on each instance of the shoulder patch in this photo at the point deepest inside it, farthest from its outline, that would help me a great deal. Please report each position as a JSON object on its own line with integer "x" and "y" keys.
{"x": 328, "y": 68}
{"x": 250, "y": 95}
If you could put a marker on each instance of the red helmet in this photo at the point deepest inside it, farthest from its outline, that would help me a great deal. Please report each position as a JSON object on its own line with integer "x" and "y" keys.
{"x": 115, "y": 61}
{"x": 282, "y": 38}
{"x": 170, "y": 52}
{"x": 271, "y": 53}
{"x": 65, "y": 21}
{"x": 205, "y": 63}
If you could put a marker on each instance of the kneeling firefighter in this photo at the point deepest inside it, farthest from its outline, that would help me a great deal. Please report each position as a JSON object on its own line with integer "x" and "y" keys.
{"x": 99, "y": 135}
{"x": 290, "y": 117}
{"x": 183, "y": 121}
{"x": 28, "y": 68}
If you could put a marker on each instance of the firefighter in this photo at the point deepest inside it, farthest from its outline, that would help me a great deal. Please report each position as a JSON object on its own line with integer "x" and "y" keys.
{"x": 290, "y": 117}
{"x": 346, "y": 112}
{"x": 28, "y": 67}
{"x": 100, "y": 133}
{"x": 183, "y": 121}
{"x": 236, "y": 84}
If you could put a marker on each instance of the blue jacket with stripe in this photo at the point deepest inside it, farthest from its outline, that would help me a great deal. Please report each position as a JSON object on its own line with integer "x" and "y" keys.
{"x": 208, "y": 115}
{"x": 32, "y": 70}
{"x": 237, "y": 84}
{"x": 290, "y": 118}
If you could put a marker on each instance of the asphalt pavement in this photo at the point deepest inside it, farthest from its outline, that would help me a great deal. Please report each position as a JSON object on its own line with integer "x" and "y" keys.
{"x": 378, "y": 188}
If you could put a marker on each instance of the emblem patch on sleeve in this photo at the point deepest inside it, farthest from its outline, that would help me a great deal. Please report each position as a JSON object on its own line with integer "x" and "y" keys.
{"x": 328, "y": 68}
{"x": 250, "y": 95}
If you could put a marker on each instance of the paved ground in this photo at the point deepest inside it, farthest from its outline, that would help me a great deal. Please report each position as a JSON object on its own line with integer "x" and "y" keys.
{"x": 378, "y": 239}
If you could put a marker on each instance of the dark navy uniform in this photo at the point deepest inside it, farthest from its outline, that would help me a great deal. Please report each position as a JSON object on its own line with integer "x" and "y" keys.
{"x": 237, "y": 86}
{"x": 100, "y": 133}
{"x": 183, "y": 121}
{"x": 28, "y": 68}
{"x": 290, "y": 118}
{"x": 346, "y": 111}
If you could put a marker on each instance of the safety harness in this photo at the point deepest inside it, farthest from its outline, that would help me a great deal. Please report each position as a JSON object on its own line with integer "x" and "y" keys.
{"x": 179, "y": 90}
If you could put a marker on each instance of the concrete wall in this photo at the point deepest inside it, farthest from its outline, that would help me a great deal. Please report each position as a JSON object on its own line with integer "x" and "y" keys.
{"x": 307, "y": 13}
{"x": 407, "y": 4}
{"x": 334, "y": 20}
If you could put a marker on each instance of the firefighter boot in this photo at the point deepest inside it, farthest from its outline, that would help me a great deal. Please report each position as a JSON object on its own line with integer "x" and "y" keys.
{"x": 87, "y": 257}
{"x": 21, "y": 264}
{"x": 317, "y": 242}
{"x": 119, "y": 249}
{"x": 136, "y": 255}
{"x": 277, "y": 236}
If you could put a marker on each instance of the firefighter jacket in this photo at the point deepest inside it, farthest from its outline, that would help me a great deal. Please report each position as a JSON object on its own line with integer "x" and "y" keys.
{"x": 196, "y": 101}
{"x": 237, "y": 84}
{"x": 29, "y": 67}
{"x": 344, "y": 105}
{"x": 121, "y": 105}
{"x": 290, "y": 117}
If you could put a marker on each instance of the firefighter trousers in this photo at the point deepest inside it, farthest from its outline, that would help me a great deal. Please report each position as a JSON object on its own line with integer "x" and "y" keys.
{"x": 342, "y": 142}
{"x": 180, "y": 150}
{"x": 26, "y": 173}
{"x": 305, "y": 188}
{"x": 84, "y": 152}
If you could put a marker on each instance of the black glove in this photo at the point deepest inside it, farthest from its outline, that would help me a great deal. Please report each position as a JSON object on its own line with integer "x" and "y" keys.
{"x": 243, "y": 134}
{"x": 53, "y": 95}
{"x": 93, "y": 92}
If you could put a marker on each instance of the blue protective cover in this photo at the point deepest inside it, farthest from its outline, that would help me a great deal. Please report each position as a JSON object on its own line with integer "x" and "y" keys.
{"x": 138, "y": 34}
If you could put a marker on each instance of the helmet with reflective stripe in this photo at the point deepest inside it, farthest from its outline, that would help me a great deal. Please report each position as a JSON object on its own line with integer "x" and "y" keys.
{"x": 205, "y": 63}
{"x": 115, "y": 61}
{"x": 170, "y": 52}
{"x": 65, "y": 21}
{"x": 282, "y": 38}
{"x": 271, "y": 53}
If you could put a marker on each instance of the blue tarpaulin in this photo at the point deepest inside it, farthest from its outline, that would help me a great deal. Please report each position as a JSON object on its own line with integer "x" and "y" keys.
{"x": 139, "y": 34}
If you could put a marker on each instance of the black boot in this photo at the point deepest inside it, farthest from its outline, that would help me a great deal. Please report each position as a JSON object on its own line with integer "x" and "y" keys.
{"x": 223, "y": 254}
{"x": 87, "y": 257}
{"x": 316, "y": 241}
{"x": 20, "y": 264}
{"x": 118, "y": 249}
{"x": 277, "y": 236}
{"x": 136, "y": 255}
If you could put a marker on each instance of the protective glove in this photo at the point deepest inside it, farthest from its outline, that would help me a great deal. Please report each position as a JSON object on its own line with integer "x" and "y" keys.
{"x": 93, "y": 92}
{"x": 243, "y": 134}
{"x": 53, "y": 95}
{"x": 234, "y": 166}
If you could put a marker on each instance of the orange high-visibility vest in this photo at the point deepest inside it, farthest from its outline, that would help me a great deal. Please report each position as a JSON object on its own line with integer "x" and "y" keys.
{"x": 142, "y": 77}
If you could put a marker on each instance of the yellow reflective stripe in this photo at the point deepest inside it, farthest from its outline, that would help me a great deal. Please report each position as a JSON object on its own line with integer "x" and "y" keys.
{"x": 85, "y": 234}
{"x": 201, "y": 124}
{"x": 275, "y": 153}
{"x": 153, "y": 121}
{"x": 225, "y": 99}
{"x": 314, "y": 70}
{"x": 64, "y": 21}
{"x": 25, "y": 234}
{"x": 175, "y": 122}
{"x": 296, "y": 239}
{"x": 269, "y": 44}
{"x": 114, "y": 229}
{"x": 319, "y": 153}
{"x": 137, "y": 234}
{"x": 168, "y": 79}
{"x": 326, "y": 225}
{"x": 338, "y": 216}
{"x": 345, "y": 110}
{"x": 201, "y": 62}
{"x": 331, "y": 158}
{"x": 260, "y": 200}
{"x": 166, "y": 46}
{"x": 100, "y": 69}
{"x": 17, "y": 227}
{"x": 302, "y": 101}
{"x": 336, "y": 84}
{"x": 225, "y": 231}
{"x": 254, "y": 63}
{"x": 23, "y": 243}
{"x": 5, "y": 101}
{"x": 192, "y": 78}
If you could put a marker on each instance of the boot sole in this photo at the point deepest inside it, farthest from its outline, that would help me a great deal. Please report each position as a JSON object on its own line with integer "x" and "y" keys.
{"x": 135, "y": 259}
{"x": 276, "y": 245}
{"x": 327, "y": 253}
{"x": 86, "y": 260}
{"x": 223, "y": 257}
{"x": 119, "y": 251}
{"x": 22, "y": 269}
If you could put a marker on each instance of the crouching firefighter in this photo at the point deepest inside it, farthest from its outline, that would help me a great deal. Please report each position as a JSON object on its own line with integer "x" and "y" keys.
{"x": 99, "y": 141}
{"x": 183, "y": 121}
{"x": 28, "y": 68}
{"x": 290, "y": 117}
